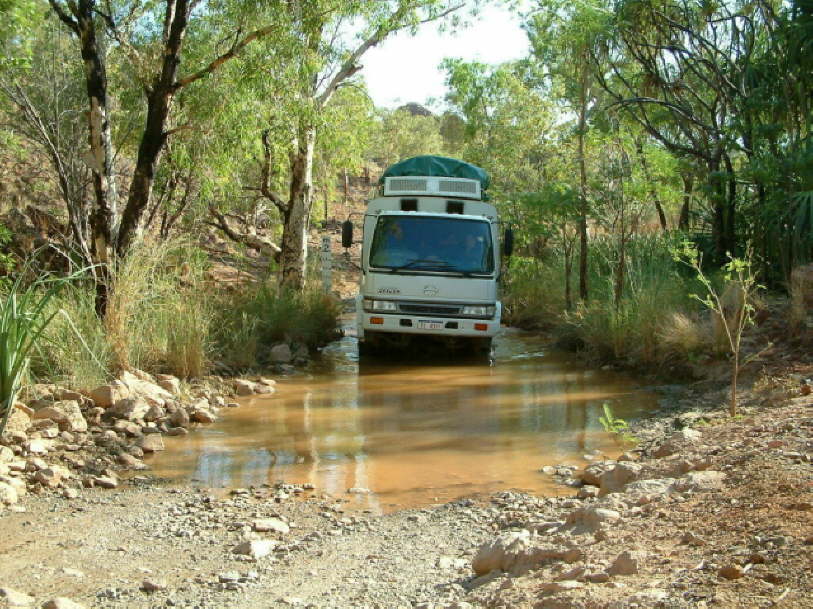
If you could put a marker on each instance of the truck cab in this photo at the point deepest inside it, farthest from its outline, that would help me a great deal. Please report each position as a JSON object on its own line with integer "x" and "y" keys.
{"x": 430, "y": 258}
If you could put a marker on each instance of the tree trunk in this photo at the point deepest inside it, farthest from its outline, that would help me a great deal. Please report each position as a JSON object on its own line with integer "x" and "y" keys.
{"x": 583, "y": 288}
{"x": 639, "y": 146}
{"x": 730, "y": 225}
{"x": 295, "y": 228}
{"x": 685, "y": 210}
{"x": 104, "y": 217}
{"x": 149, "y": 154}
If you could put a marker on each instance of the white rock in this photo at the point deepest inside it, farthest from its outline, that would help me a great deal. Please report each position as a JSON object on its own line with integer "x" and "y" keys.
{"x": 243, "y": 387}
{"x": 358, "y": 490}
{"x": 14, "y": 599}
{"x": 152, "y": 443}
{"x": 256, "y": 548}
{"x": 275, "y": 525}
{"x": 6, "y": 454}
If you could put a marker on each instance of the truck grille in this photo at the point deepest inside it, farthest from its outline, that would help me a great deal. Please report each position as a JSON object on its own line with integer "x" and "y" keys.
{"x": 430, "y": 309}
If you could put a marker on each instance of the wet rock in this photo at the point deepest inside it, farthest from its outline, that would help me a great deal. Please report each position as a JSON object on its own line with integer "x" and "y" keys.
{"x": 587, "y": 492}
{"x": 267, "y": 525}
{"x": 255, "y": 548}
{"x": 14, "y": 599}
{"x": 61, "y": 602}
{"x": 131, "y": 462}
{"x": 618, "y": 476}
{"x": 243, "y": 387}
{"x": 281, "y": 354}
{"x": 259, "y": 388}
{"x": 627, "y": 563}
{"x": 656, "y": 487}
{"x": 107, "y": 395}
{"x": 677, "y": 441}
{"x": 152, "y": 443}
{"x": 590, "y": 519}
{"x": 202, "y": 415}
{"x": 179, "y": 418}
{"x": 592, "y": 473}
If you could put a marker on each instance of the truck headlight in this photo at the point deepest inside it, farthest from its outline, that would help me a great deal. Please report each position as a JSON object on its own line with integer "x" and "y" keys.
{"x": 478, "y": 311}
{"x": 379, "y": 305}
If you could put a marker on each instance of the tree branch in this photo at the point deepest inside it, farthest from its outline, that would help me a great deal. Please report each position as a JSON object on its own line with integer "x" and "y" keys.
{"x": 230, "y": 54}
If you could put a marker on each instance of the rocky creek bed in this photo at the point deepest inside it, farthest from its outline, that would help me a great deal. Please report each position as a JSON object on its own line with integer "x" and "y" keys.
{"x": 709, "y": 511}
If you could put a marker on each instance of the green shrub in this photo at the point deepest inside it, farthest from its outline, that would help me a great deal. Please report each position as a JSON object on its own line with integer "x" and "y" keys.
{"x": 249, "y": 322}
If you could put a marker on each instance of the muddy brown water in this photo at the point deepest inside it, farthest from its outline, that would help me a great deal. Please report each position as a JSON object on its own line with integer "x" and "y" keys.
{"x": 413, "y": 433}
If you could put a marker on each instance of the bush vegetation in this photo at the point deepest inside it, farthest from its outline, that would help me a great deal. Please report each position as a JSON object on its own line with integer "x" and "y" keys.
{"x": 166, "y": 316}
{"x": 655, "y": 323}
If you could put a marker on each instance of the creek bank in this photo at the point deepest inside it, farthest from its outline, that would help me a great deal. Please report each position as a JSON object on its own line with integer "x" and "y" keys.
{"x": 65, "y": 441}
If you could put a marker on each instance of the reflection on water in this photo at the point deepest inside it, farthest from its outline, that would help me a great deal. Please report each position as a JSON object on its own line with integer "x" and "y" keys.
{"x": 413, "y": 433}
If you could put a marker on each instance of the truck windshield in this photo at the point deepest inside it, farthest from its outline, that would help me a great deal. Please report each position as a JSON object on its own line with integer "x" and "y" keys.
{"x": 422, "y": 243}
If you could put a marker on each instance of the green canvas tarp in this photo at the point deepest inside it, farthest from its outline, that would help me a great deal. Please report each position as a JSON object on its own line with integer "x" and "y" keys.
{"x": 437, "y": 166}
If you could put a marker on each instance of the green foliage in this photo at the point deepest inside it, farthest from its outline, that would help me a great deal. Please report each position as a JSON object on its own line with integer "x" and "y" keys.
{"x": 733, "y": 308}
{"x": 6, "y": 258}
{"x": 616, "y": 426}
{"x": 25, "y": 315}
{"x": 249, "y": 323}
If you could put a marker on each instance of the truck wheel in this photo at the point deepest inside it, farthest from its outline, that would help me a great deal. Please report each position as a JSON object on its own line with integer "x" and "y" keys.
{"x": 483, "y": 346}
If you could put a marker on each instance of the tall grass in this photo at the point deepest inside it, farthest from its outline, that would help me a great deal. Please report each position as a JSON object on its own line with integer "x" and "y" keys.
{"x": 247, "y": 324}
{"x": 166, "y": 316}
{"x": 655, "y": 323}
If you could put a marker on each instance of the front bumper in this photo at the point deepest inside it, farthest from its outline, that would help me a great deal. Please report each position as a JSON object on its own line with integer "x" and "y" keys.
{"x": 426, "y": 324}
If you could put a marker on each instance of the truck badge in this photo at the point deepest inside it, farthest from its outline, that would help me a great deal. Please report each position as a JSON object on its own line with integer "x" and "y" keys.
{"x": 430, "y": 290}
{"x": 389, "y": 291}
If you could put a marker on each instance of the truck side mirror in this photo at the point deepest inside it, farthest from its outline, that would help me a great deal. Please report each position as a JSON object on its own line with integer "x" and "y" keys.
{"x": 347, "y": 234}
{"x": 508, "y": 242}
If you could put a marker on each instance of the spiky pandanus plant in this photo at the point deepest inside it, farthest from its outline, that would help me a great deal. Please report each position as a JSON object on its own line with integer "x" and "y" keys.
{"x": 23, "y": 319}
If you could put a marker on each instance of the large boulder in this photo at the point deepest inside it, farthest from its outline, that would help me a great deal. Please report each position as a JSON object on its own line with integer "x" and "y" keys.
{"x": 129, "y": 408}
{"x": 66, "y": 414}
{"x": 169, "y": 383}
{"x": 106, "y": 396}
{"x": 704, "y": 481}
{"x": 141, "y": 385}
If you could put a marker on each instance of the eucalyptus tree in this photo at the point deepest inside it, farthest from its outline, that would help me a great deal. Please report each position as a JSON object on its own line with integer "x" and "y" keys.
{"x": 151, "y": 36}
{"x": 323, "y": 57}
{"x": 563, "y": 36}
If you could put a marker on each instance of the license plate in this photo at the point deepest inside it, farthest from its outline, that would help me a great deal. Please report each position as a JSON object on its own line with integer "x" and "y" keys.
{"x": 425, "y": 324}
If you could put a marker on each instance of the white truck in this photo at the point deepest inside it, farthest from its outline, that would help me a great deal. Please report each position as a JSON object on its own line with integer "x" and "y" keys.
{"x": 430, "y": 258}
